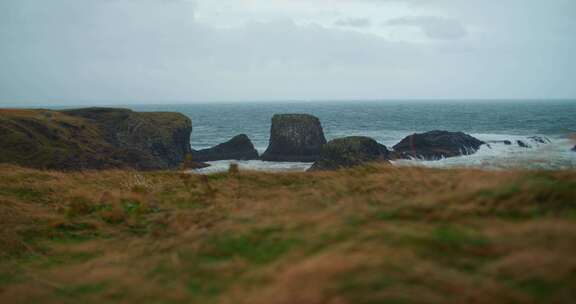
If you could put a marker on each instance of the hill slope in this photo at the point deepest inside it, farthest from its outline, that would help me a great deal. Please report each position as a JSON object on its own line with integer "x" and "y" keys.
{"x": 374, "y": 234}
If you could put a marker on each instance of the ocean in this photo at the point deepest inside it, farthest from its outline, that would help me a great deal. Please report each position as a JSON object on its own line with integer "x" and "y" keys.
{"x": 390, "y": 121}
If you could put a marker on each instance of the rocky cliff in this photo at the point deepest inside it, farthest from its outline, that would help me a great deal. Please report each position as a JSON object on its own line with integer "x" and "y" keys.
{"x": 94, "y": 138}
{"x": 295, "y": 138}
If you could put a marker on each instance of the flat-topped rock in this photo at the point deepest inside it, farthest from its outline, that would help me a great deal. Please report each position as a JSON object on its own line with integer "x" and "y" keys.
{"x": 94, "y": 138}
{"x": 238, "y": 148}
{"x": 435, "y": 145}
{"x": 349, "y": 152}
{"x": 295, "y": 138}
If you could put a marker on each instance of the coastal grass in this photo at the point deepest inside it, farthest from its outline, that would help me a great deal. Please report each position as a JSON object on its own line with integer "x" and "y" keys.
{"x": 372, "y": 234}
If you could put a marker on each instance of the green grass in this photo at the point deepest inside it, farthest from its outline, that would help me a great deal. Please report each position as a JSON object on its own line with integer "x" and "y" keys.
{"x": 58, "y": 259}
{"x": 79, "y": 291}
{"x": 259, "y": 246}
{"x": 24, "y": 193}
{"x": 367, "y": 235}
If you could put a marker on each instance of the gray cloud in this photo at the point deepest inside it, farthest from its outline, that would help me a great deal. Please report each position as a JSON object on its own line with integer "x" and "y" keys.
{"x": 433, "y": 27}
{"x": 156, "y": 50}
{"x": 354, "y": 22}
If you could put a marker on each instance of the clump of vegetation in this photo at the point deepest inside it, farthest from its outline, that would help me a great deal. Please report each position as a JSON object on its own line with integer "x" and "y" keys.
{"x": 372, "y": 234}
{"x": 188, "y": 163}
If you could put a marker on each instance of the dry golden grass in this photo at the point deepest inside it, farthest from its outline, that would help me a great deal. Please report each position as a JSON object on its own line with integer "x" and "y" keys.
{"x": 374, "y": 234}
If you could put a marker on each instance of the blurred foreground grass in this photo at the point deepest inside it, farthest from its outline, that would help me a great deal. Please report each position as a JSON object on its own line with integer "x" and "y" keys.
{"x": 374, "y": 234}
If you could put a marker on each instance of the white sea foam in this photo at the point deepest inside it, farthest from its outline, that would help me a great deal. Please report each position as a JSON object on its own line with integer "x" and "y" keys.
{"x": 554, "y": 155}
{"x": 494, "y": 155}
{"x": 255, "y": 165}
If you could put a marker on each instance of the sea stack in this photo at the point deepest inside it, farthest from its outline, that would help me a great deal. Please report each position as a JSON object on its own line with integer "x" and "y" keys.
{"x": 238, "y": 148}
{"x": 435, "y": 145}
{"x": 295, "y": 138}
{"x": 349, "y": 152}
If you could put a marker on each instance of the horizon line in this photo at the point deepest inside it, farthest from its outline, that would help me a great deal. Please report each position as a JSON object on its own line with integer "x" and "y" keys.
{"x": 260, "y": 101}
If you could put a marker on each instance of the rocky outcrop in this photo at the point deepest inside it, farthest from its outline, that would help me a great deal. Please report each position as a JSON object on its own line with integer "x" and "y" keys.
{"x": 436, "y": 145}
{"x": 94, "y": 138}
{"x": 349, "y": 152}
{"x": 522, "y": 144}
{"x": 238, "y": 148}
{"x": 540, "y": 139}
{"x": 295, "y": 138}
{"x": 531, "y": 141}
{"x": 505, "y": 142}
{"x": 574, "y": 149}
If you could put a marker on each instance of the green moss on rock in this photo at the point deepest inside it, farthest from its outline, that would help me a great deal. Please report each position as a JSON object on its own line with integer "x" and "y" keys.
{"x": 93, "y": 138}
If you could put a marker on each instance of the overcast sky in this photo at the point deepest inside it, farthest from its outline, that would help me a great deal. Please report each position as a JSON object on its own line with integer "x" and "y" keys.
{"x": 89, "y": 51}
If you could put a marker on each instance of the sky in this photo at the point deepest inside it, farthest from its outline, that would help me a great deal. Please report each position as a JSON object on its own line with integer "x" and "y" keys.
{"x": 154, "y": 51}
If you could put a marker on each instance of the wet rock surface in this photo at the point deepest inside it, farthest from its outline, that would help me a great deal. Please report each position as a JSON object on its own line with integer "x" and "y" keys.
{"x": 239, "y": 147}
{"x": 349, "y": 152}
{"x": 523, "y": 144}
{"x": 435, "y": 145}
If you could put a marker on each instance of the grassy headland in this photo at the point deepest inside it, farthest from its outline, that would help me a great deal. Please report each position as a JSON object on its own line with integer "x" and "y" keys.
{"x": 373, "y": 234}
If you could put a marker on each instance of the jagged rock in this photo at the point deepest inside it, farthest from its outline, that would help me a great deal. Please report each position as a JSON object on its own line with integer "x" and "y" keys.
{"x": 94, "y": 138}
{"x": 506, "y": 142}
{"x": 436, "y": 145}
{"x": 238, "y": 148}
{"x": 349, "y": 152}
{"x": 522, "y": 144}
{"x": 295, "y": 138}
{"x": 540, "y": 139}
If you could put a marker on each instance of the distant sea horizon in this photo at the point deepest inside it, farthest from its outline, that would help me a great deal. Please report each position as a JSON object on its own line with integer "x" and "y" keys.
{"x": 124, "y": 103}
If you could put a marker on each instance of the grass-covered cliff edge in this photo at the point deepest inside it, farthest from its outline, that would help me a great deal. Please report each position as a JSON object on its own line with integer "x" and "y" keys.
{"x": 373, "y": 234}
{"x": 93, "y": 138}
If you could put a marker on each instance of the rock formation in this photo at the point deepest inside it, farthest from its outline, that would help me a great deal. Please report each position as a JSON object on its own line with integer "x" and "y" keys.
{"x": 294, "y": 138}
{"x": 349, "y": 152}
{"x": 522, "y": 144}
{"x": 94, "y": 138}
{"x": 540, "y": 139}
{"x": 435, "y": 145}
{"x": 505, "y": 142}
{"x": 238, "y": 148}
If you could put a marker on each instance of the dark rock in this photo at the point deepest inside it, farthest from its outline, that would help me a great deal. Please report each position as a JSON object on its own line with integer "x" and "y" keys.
{"x": 436, "y": 145}
{"x": 238, "y": 148}
{"x": 506, "y": 142}
{"x": 349, "y": 152}
{"x": 522, "y": 144}
{"x": 540, "y": 139}
{"x": 94, "y": 138}
{"x": 574, "y": 149}
{"x": 294, "y": 138}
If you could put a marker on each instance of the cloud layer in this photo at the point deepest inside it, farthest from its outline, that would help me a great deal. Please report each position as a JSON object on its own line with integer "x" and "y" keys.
{"x": 433, "y": 27}
{"x": 175, "y": 50}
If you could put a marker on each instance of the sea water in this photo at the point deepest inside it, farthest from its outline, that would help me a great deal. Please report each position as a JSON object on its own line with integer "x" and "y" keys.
{"x": 390, "y": 121}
